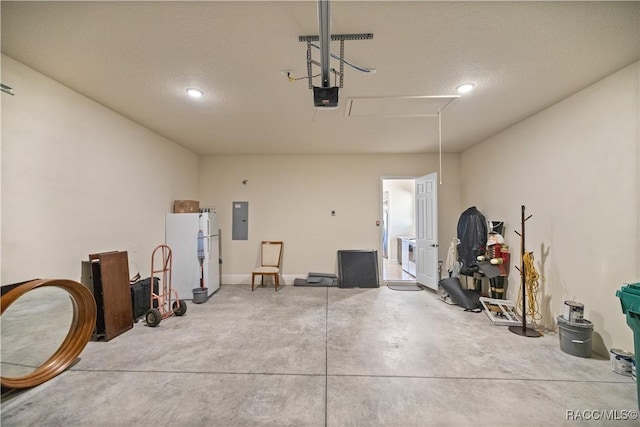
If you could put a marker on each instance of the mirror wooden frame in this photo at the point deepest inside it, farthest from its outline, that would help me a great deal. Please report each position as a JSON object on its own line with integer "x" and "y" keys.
{"x": 80, "y": 330}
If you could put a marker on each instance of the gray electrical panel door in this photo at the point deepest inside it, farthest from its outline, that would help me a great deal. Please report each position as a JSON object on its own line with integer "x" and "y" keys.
{"x": 240, "y": 226}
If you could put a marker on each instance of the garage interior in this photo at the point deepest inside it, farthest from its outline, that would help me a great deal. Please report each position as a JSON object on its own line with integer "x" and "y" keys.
{"x": 99, "y": 138}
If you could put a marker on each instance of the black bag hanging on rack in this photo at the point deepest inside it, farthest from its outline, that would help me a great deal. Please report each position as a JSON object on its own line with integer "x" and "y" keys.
{"x": 472, "y": 234}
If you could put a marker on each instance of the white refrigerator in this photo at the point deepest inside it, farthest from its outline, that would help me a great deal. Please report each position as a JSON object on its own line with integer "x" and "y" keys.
{"x": 181, "y": 235}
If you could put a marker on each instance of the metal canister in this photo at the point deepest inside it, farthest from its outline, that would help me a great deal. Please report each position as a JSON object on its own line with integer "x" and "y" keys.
{"x": 573, "y": 311}
{"x": 621, "y": 361}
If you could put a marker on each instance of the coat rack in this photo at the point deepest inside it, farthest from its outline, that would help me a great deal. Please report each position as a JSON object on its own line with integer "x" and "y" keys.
{"x": 523, "y": 330}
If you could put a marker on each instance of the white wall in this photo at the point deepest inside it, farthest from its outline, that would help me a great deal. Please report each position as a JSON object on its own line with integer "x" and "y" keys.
{"x": 291, "y": 199}
{"x": 78, "y": 178}
{"x": 575, "y": 166}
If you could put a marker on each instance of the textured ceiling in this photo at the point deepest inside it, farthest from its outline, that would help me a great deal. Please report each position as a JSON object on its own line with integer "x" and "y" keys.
{"x": 137, "y": 58}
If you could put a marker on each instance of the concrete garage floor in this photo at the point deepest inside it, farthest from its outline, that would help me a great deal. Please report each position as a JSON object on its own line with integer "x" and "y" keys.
{"x": 324, "y": 357}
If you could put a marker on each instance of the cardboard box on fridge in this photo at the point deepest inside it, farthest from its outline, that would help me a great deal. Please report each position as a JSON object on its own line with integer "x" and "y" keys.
{"x": 186, "y": 206}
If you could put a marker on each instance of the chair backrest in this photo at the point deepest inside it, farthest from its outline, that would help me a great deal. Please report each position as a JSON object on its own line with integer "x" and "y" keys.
{"x": 271, "y": 253}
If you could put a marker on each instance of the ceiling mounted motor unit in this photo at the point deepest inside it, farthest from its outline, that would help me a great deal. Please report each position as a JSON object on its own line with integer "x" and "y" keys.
{"x": 325, "y": 97}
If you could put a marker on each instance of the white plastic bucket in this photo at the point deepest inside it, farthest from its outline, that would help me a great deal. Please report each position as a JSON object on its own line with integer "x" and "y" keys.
{"x": 621, "y": 361}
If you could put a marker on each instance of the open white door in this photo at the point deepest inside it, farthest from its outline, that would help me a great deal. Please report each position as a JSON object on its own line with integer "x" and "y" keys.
{"x": 427, "y": 231}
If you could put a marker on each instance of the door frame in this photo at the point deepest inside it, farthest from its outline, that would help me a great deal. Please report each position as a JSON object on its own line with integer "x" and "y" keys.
{"x": 381, "y": 213}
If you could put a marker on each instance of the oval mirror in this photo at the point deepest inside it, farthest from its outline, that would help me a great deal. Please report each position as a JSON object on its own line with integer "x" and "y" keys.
{"x": 46, "y": 323}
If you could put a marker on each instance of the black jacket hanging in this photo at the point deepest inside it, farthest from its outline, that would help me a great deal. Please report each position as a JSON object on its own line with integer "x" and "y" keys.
{"x": 472, "y": 233}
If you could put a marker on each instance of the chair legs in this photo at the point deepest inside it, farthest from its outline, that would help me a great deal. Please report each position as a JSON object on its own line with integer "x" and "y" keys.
{"x": 276, "y": 279}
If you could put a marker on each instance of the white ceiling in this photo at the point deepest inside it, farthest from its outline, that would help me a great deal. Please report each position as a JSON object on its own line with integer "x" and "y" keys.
{"x": 137, "y": 58}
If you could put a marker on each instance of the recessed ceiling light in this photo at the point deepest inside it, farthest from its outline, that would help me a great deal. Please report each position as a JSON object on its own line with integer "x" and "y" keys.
{"x": 195, "y": 93}
{"x": 465, "y": 87}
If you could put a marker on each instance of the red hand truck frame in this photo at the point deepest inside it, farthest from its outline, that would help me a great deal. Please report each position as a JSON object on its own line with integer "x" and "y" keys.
{"x": 166, "y": 302}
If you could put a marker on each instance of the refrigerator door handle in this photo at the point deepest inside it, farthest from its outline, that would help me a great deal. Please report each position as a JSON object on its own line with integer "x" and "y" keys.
{"x": 208, "y": 239}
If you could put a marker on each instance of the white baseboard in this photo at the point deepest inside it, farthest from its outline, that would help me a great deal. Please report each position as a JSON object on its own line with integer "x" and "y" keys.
{"x": 245, "y": 279}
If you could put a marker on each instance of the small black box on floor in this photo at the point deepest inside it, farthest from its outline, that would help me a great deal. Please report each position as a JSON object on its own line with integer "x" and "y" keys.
{"x": 6, "y": 288}
{"x": 358, "y": 269}
{"x": 141, "y": 296}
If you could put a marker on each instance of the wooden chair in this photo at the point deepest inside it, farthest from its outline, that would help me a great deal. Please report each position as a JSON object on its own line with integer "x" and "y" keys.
{"x": 270, "y": 256}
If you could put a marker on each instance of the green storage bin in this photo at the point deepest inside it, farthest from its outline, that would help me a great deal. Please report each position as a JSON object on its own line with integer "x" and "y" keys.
{"x": 630, "y": 299}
